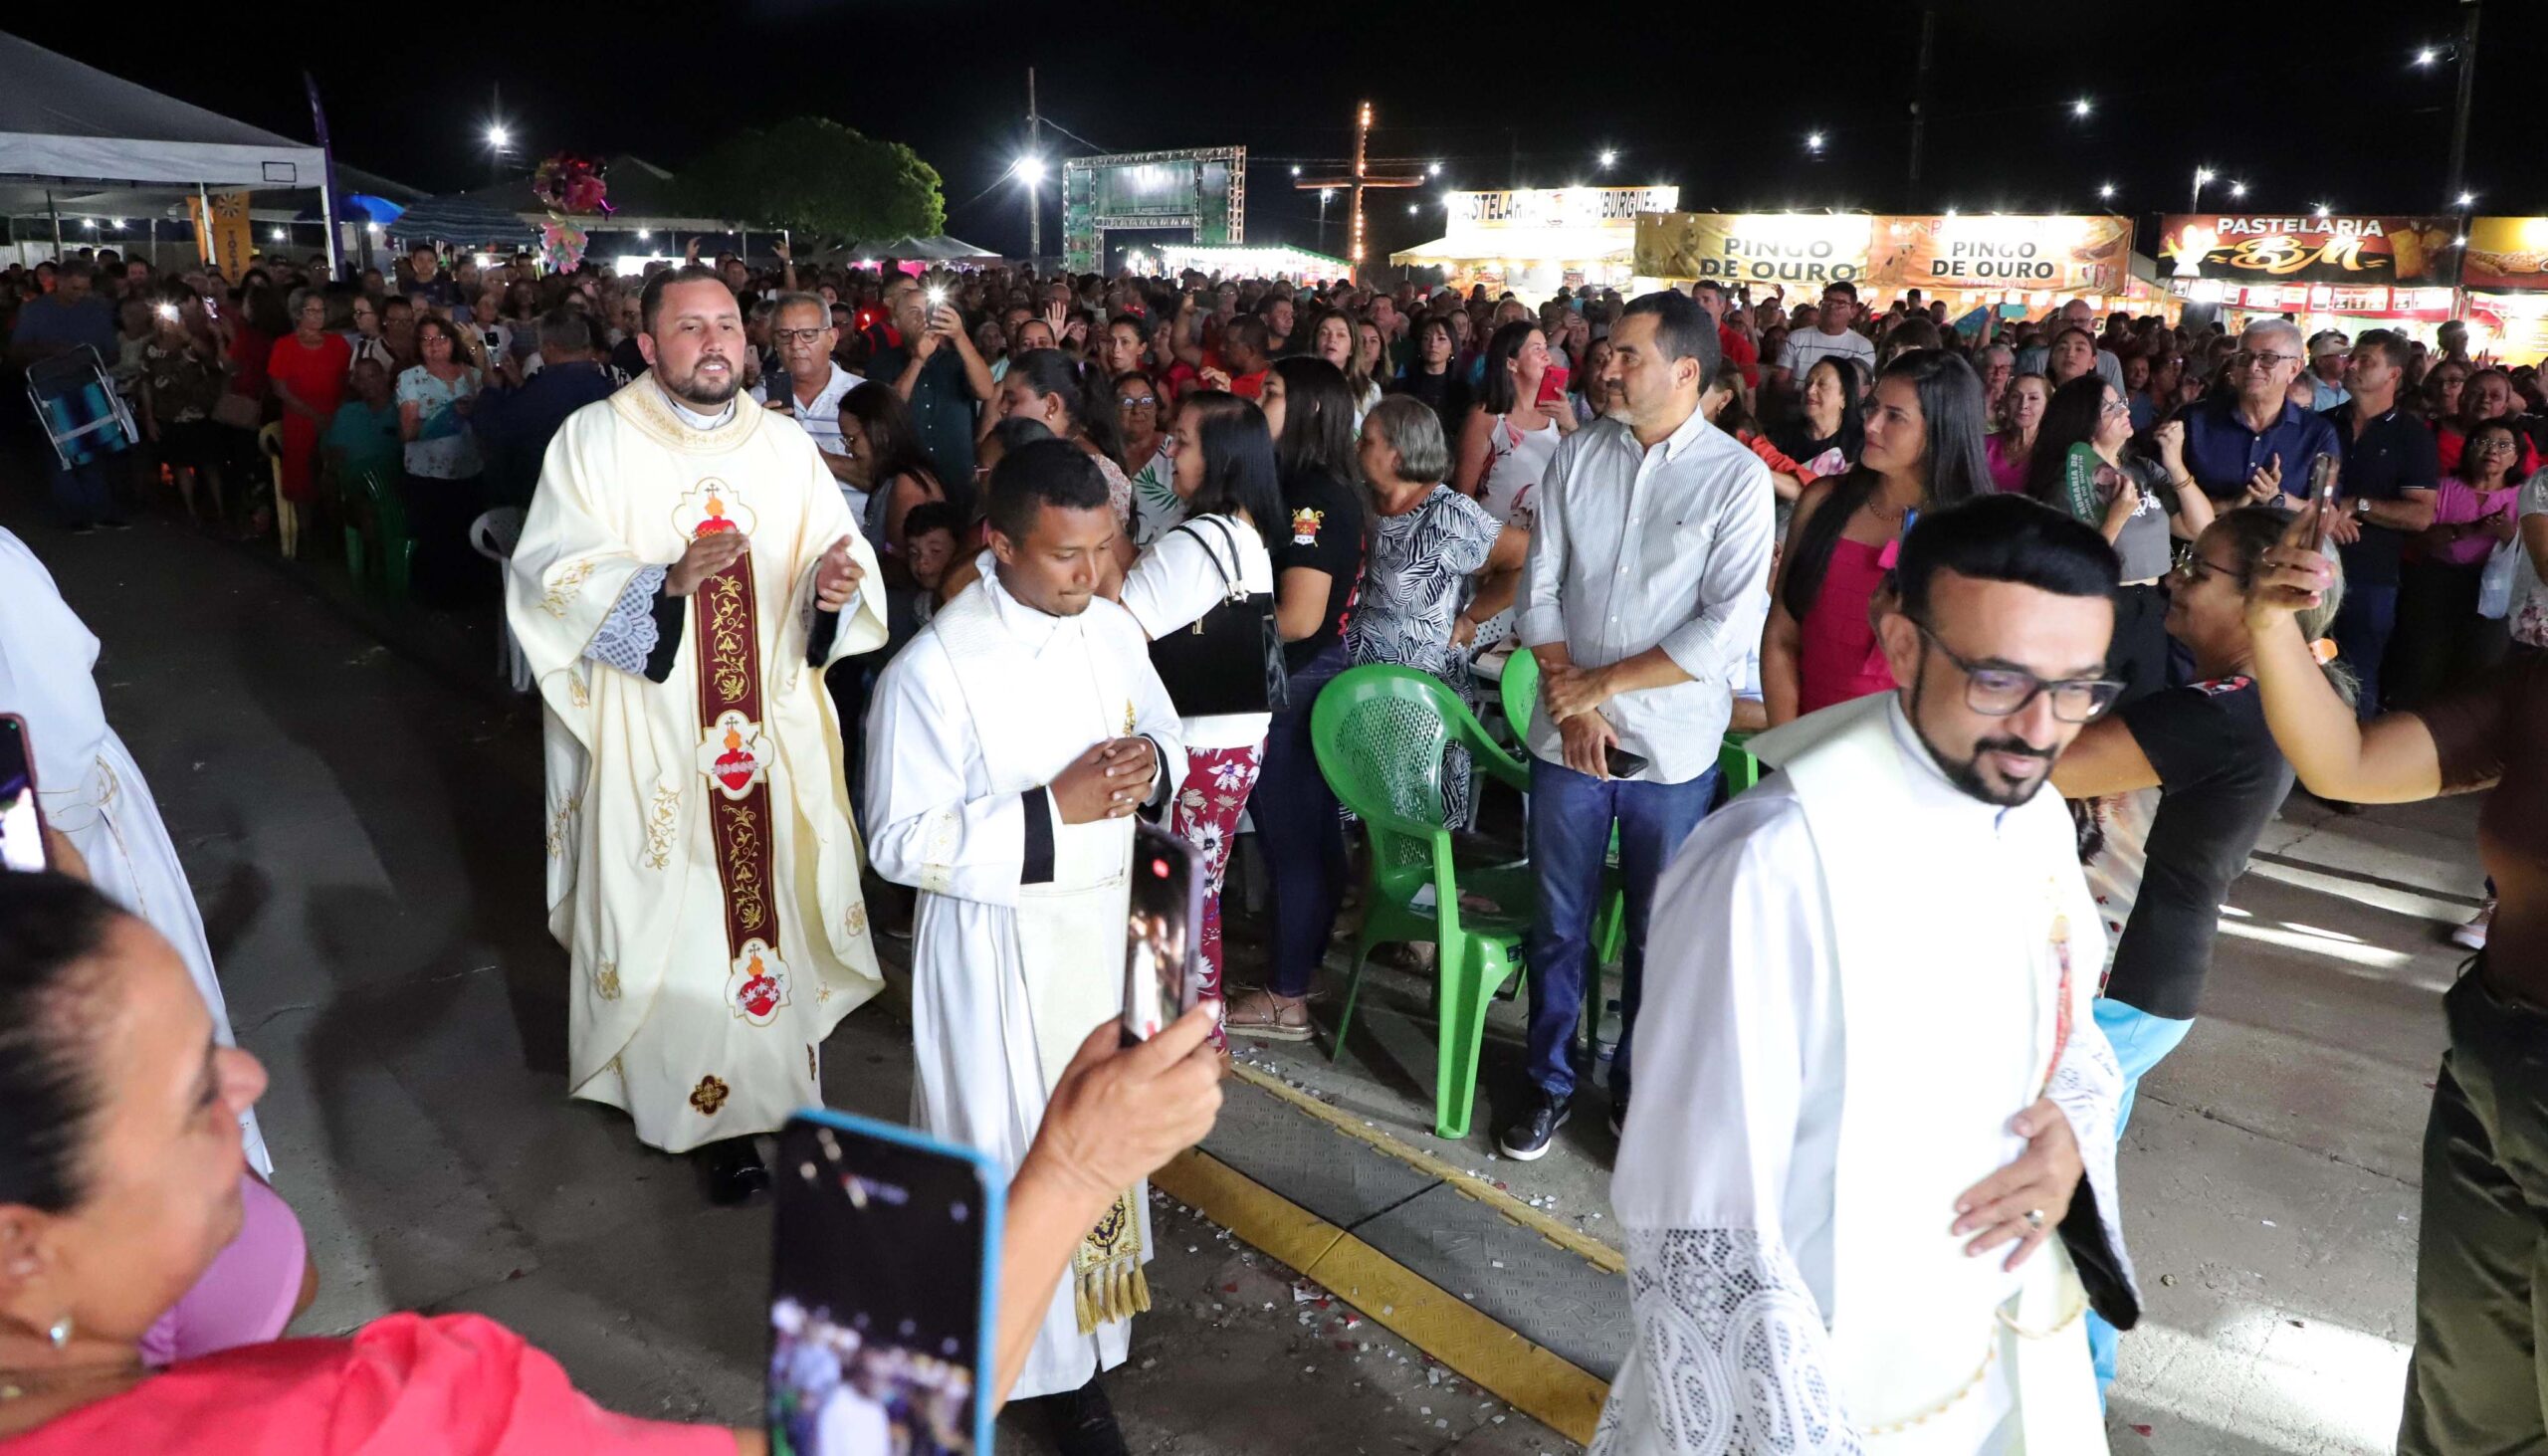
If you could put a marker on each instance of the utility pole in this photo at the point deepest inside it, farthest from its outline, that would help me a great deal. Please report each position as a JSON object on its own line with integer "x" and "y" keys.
{"x": 2470, "y": 11}
{"x": 1035, "y": 152}
{"x": 1920, "y": 100}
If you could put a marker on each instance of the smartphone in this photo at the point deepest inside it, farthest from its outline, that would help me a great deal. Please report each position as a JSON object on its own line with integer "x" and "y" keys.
{"x": 2322, "y": 491}
{"x": 882, "y": 1287}
{"x": 1163, "y": 954}
{"x": 22, "y": 846}
{"x": 1622, "y": 763}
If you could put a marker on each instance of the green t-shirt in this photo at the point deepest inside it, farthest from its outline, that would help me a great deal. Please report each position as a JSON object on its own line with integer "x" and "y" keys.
{"x": 368, "y": 439}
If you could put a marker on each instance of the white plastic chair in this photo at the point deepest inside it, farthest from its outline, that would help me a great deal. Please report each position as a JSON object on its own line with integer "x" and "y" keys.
{"x": 493, "y": 536}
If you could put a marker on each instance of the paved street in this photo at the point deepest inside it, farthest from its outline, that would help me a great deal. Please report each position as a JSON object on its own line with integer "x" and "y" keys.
{"x": 362, "y": 831}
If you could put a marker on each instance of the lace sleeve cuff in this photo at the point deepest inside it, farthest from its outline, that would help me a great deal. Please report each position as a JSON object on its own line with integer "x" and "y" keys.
{"x": 628, "y": 635}
{"x": 2087, "y": 1086}
{"x": 1729, "y": 1356}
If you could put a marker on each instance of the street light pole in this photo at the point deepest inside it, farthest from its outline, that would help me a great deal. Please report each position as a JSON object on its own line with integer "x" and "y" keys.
{"x": 1036, "y": 149}
{"x": 2201, "y": 176}
{"x": 2470, "y": 11}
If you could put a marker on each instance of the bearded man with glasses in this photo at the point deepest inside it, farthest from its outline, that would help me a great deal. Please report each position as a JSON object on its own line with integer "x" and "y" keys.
{"x": 1872, "y": 1080}
{"x": 2254, "y": 446}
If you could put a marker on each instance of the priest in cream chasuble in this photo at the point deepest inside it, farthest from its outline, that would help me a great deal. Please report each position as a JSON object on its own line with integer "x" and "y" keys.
{"x": 686, "y": 570}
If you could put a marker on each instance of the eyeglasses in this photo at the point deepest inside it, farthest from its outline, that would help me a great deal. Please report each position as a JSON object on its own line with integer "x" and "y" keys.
{"x": 1999, "y": 691}
{"x": 1139, "y": 402}
{"x": 799, "y": 335}
{"x": 2265, "y": 357}
{"x": 2496, "y": 446}
{"x": 2118, "y": 407}
{"x": 2193, "y": 568}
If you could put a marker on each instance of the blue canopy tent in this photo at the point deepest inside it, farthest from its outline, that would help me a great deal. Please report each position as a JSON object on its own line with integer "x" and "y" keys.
{"x": 459, "y": 220}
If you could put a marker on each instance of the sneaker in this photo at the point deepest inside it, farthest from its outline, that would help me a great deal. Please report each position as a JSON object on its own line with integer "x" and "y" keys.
{"x": 2472, "y": 936}
{"x": 1527, "y": 1138}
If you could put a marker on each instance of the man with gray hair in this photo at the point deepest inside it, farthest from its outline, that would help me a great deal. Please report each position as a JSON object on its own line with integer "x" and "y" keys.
{"x": 2253, "y": 447}
{"x": 809, "y": 383}
{"x": 515, "y": 422}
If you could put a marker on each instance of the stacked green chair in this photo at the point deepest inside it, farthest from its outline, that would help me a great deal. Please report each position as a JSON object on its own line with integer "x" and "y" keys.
{"x": 1379, "y": 732}
{"x": 386, "y": 518}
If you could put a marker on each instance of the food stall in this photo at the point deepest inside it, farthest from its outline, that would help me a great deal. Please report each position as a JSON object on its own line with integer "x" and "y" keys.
{"x": 1532, "y": 242}
{"x": 2348, "y": 271}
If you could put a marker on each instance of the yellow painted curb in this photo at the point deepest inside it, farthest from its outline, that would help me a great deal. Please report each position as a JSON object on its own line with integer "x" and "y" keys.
{"x": 1591, "y": 1250}
{"x": 1542, "y": 1385}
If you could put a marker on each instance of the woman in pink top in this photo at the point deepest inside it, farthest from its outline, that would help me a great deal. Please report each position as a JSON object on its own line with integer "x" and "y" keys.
{"x": 2439, "y": 640}
{"x": 2010, "y": 447}
{"x": 1923, "y": 451}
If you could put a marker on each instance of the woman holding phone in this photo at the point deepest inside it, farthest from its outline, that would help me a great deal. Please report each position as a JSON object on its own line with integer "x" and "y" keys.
{"x": 119, "y": 1179}
{"x": 1231, "y": 494}
{"x": 2472, "y": 1384}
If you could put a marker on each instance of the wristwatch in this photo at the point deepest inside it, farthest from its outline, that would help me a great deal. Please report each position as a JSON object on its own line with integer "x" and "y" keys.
{"x": 2362, "y": 507}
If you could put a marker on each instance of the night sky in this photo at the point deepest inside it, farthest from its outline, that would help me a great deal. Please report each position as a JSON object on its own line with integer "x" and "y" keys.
{"x": 2305, "y": 101}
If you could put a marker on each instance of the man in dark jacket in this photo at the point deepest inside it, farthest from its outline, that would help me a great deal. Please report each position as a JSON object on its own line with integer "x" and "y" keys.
{"x": 515, "y": 422}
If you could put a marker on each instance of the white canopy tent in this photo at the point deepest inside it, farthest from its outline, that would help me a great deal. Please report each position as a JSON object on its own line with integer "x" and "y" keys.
{"x": 69, "y": 129}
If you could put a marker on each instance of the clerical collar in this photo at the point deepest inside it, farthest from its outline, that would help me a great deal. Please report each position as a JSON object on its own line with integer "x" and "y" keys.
{"x": 694, "y": 418}
{"x": 1930, "y": 785}
{"x": 1032, "y": 626}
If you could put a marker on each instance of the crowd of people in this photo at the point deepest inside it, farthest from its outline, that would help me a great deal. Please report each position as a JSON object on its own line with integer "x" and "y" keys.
{"x": 1937, "y": 565}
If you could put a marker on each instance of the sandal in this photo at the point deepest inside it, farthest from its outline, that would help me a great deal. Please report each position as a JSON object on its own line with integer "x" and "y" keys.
{"x": 1260, "y": 1015}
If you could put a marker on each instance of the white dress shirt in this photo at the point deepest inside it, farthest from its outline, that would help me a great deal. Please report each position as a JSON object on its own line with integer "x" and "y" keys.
{"x": 1637, "y": 547}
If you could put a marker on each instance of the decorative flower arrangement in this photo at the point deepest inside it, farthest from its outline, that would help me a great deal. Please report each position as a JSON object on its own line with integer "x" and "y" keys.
{"x": 570, "y": 186}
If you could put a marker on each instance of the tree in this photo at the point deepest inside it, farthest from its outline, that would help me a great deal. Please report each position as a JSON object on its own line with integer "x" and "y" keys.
{"x": 816, "y": 176}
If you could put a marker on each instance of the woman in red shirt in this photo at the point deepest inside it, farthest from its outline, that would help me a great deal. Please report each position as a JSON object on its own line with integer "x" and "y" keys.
{"x": 119, "y": 1183}
{"x": 307, "y": 368}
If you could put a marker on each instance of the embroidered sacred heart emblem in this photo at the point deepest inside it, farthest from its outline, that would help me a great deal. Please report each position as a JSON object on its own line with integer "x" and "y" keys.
{"x": 756, "y": 988}
{"x": 734, "y": 754}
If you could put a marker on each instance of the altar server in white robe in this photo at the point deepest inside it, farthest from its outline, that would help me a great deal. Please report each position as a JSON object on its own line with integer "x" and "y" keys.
{"x": 1880, "y": 1081}
{"x": 1007, "y": 749}
{"x": 687, "y": 572}
{"x": 90, "y": 791}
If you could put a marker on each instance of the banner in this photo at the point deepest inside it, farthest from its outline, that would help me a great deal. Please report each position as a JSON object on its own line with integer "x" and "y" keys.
{"x": 1557, "y": 207}
{"x": 1800, "y": 253}
{"x": 2246, "y": 248}
{"x": 2507, "y": 254}
{"x": 225, "y": 239}
{"x": 2063, "y": 255}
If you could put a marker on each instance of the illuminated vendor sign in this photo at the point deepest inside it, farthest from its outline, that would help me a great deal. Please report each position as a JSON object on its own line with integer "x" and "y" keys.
{"x": 2069, "y": 255}
{"x": 1558, "y": 207}
{"x": 2507, "y": 254}
{"x": 2357, "y": 250}
{"x": 1799, "y": 252}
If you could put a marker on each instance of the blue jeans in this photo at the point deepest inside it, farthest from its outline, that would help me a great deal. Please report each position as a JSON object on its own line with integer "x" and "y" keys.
{"x": 2364, "y": 620}
{"x": 81, "y": 493}
{"x": 2141, "y": 1041}
{"x": 1300, "y": 834}
{"x": 1569, "y": 839}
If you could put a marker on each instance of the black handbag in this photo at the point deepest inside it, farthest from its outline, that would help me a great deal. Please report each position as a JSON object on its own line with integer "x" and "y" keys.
{"x": 1230, "y": 659}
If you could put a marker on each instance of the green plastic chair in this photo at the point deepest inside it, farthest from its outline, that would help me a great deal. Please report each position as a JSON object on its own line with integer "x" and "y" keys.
{"x": 1379, "y": 732}
{"x": 1736, "y": 765}
{"x": 390, "y": 545}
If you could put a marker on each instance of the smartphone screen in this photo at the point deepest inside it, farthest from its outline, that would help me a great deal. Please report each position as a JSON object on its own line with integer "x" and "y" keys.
{"x": 1163, "y": 959}
{"x": 881, "y": 1291}
{"x": 20, "y": 823}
